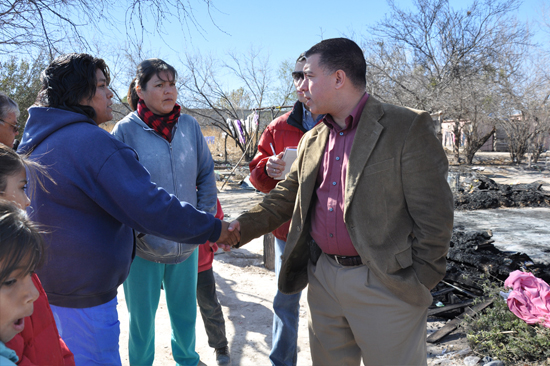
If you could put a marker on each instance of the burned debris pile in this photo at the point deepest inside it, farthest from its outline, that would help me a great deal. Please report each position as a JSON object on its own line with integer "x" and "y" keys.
{"x": 472, "y": 254}
{"x": 477, "y": 191}
{"x": 475, "y": 267}
{"x": 471, "y": 259}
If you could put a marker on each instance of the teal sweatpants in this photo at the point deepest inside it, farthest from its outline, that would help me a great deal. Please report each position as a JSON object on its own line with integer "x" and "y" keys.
{"x": 142, "y": 292}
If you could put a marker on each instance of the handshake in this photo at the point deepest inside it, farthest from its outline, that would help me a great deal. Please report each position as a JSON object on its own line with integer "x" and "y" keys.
{"x": 230, "y": 236}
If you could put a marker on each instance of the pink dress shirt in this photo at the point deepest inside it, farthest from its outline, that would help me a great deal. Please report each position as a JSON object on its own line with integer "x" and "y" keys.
{"x": 328, "y": 228}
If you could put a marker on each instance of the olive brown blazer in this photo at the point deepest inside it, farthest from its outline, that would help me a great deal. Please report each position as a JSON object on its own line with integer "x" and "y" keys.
{"x": 398, "y": 204}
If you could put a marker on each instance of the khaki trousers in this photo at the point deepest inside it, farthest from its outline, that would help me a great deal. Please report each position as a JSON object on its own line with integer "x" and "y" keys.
{"x": 353, "y": 316}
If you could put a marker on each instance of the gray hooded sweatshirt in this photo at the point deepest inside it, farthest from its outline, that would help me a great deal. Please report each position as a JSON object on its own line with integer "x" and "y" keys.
{"x": 183, "y": 167}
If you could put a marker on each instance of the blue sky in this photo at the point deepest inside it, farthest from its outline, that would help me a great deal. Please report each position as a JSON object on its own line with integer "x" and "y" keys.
{"x": 288, "y": 26}
{"x": 283, "y": 28}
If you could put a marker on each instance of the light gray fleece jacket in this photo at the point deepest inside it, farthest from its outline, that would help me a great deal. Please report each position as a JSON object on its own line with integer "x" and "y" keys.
{"x": 183, "y": 167}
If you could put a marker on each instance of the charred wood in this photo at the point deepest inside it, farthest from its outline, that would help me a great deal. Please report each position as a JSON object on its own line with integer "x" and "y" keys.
{"x": 480, "y": 192}
{"x": 472, "y": 259}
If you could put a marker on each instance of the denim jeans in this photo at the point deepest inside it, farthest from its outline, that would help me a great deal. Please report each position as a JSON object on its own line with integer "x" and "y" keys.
{"x": 211, "y": 310}
{"x": 285, "y": 320}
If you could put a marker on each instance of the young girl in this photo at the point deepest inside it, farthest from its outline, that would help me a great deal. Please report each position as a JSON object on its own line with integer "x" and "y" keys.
{"x": 21, "y": 248}
{"x": 38, "y": 343}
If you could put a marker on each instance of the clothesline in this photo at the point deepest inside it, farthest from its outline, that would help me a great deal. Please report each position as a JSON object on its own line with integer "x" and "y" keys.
{"x": 272, "y": 107}
{"x": 241, "y": 138}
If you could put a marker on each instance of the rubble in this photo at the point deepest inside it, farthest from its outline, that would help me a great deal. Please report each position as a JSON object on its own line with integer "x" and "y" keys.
{"x": 476, "y": 191}
{"x": 472, "y": 254}
{"x": 471, "y": 258}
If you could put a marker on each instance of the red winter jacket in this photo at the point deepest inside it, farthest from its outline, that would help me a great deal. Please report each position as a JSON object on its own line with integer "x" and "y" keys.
{"x": 39, "y": 343}
{"x": 206, "y": 253}
{"x": 282, "y": 132}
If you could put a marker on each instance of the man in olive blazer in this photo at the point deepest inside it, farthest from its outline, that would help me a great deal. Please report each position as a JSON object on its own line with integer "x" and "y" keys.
{"x": 398, "y": 211}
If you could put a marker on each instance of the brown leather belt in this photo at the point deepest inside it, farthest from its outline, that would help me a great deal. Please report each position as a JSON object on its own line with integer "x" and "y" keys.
{"x": 346, "y": 261}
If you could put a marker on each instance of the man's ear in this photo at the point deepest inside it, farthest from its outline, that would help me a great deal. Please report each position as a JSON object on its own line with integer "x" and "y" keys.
{"x": 340, "y": 79}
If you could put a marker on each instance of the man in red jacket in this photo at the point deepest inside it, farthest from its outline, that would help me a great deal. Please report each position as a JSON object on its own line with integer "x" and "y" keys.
{"x": 265, "y": 172}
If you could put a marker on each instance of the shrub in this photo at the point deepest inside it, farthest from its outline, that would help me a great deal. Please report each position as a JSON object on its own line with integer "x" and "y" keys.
{"x": 500, "y": 334}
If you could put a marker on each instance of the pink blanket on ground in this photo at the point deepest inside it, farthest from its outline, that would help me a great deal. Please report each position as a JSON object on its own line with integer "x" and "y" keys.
{"x": 529, "y": 298}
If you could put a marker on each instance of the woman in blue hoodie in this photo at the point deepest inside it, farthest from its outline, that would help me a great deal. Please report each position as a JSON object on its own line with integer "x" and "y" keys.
{"x": 172, "y": 148}
{"x": 100, "y": 196}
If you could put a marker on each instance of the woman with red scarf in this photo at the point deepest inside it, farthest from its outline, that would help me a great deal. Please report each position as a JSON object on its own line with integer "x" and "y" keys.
{"x": 172, "y": 148}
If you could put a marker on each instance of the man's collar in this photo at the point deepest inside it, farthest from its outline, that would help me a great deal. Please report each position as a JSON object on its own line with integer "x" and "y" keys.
{"x": 353, "y": 119}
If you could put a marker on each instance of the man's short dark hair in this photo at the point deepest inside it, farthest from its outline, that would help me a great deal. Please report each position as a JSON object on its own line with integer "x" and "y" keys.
{"x": 301, "y": 58}
{"x": 342, "y": 54}
{"x": 68, "y": 80}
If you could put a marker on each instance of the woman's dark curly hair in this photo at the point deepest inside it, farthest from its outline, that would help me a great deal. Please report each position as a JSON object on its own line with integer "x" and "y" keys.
{"x": 68, "y": 80}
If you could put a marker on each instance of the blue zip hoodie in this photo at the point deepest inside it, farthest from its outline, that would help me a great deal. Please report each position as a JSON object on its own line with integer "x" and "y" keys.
{"x": 102, "y": 192}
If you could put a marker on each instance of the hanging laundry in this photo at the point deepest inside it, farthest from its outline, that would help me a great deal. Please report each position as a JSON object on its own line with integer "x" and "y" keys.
{"x": 229, "y": 123}
{"x": 529, "y": 298}
{"x": 251, "y": 122}
{"x": 248, "y": 124}
{"x": 239, "y": 131}
{"x": 256, "y": 118}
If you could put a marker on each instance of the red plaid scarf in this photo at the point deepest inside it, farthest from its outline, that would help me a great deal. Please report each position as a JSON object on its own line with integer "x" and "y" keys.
{"x": 163, "y": 125}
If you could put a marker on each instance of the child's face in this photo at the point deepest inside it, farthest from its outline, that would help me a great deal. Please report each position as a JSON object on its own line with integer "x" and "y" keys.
{"x": 17, "y": 295}
{"x": 15, "y": 189}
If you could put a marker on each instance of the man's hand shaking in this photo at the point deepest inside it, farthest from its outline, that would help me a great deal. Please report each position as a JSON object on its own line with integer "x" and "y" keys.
{"x": 230, "y": 236}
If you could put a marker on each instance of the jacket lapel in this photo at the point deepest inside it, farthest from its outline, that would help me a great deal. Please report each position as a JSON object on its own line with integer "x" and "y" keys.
{"x": 366, "y": 137}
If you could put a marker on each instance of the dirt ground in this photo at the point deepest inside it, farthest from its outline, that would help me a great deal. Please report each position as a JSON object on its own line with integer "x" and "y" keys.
{"x": 246, "y": 290}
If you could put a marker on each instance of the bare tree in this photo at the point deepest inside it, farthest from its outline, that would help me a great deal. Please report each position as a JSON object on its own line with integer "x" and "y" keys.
{"x": 254, "y": 71}
{"x": 527, "y": 130}
{"x": 34, "y": 24}
{"x": 208, "y": 98}
{"x": 472, "y": 103}
{"x": 30, "y": 23}
{"x": 123, "y": 60}
{"x": 394, "y": 78}
{"x": 238, "y": 98}
{"x": 476, "y": 135}
{"x": 526, "y": 93}
{"x": 542, "y": 130}
{"x": 432, "y": 57}
{"x": 542, "y": 110}
{"x": 285, "y": 92}
{"x": 519, "y": 134}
